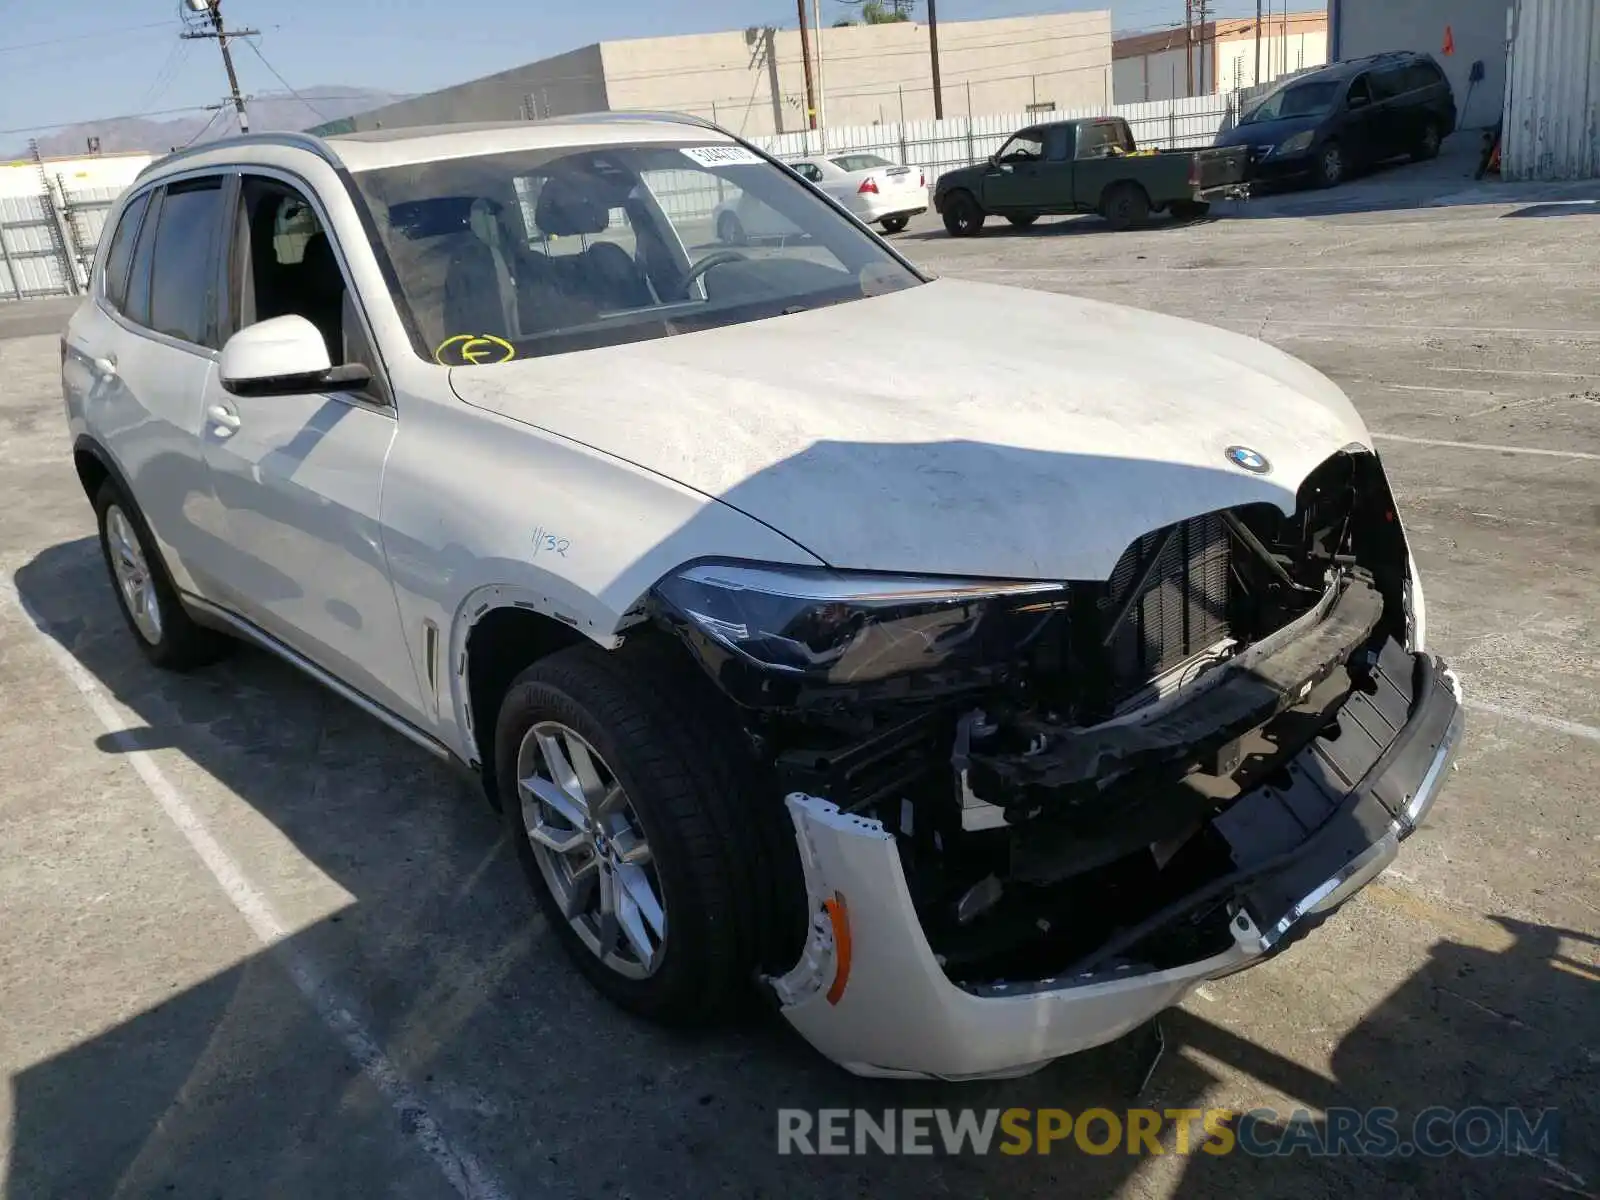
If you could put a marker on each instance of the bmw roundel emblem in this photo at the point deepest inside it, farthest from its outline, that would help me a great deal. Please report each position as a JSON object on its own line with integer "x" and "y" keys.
{"x": 1247, "y": 459}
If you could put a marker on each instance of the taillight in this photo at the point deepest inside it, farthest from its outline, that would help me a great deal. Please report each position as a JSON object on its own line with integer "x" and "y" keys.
{"x": 868, "y": 186}
{"x": 922, "y": 179}
{"x": 1194, "y": 171}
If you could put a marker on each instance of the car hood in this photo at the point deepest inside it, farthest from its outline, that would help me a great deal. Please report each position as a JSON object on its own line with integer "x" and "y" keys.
{"x": 953, "y": 428}
{"x": 1267, "y": 133}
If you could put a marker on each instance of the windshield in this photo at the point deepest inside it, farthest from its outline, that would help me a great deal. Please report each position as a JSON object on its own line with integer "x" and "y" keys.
{"x": 540, "y": 252}
{"x": 1301, "y": 100}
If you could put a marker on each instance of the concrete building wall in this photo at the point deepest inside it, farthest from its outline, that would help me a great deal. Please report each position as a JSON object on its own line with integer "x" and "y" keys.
{"x": 1236, "y": 58}
{"x": 114, "y": 171}
{"x": 568, "y": 83}
{"x": 755, "y": 83}
{"x": 1151, "y": 66}
{"x": 1478, "y": 29}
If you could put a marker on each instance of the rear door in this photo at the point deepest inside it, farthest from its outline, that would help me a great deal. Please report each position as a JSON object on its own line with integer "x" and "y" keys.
{"x": 1096, "y": 163}
{"x": 1396, "y": 119}
{"x": 157, "y": 351}
{"x": 299, "y": 477}
{"x": 1361, "y": 134}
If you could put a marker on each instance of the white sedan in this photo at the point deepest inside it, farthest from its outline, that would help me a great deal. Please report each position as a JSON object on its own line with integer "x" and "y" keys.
{"x": 873, "y": 188}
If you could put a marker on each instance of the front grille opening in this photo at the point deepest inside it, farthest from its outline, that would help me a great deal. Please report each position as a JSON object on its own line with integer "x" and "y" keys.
{"x": 1182, "y": 609}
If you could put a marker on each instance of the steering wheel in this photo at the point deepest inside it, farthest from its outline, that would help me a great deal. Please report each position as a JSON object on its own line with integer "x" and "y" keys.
{"x": 715, "y": 259}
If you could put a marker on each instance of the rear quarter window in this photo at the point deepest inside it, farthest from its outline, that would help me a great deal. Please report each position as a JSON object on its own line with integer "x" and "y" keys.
{"x": 182, "y": 282}
{"x": 119, "y": 257}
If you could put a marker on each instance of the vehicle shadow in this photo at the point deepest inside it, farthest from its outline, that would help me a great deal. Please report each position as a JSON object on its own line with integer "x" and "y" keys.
{"x": 241, "y": 1085}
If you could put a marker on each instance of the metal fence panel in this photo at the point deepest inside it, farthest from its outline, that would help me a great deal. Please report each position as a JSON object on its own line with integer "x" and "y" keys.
{"x": 30, "y": 262}
{"x": 940, "y": 146}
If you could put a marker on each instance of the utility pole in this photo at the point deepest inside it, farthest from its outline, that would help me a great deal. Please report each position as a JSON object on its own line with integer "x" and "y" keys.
{"x": 1200, "y": 17}
{"x": 933, "y": 52}
{"x": 822, "y": 85}
{"x": 805, "y": 55}
{"x": 1188, "y": 46}
{"x": 213, "y": 10}
{"x": 1257, "y": 78}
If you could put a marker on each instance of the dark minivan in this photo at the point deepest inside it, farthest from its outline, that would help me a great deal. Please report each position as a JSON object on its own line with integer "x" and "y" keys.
{"x": 1322, "y": 125}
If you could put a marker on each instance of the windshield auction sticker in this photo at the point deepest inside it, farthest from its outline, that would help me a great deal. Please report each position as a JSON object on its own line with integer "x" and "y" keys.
{"x": 722, "y": 156}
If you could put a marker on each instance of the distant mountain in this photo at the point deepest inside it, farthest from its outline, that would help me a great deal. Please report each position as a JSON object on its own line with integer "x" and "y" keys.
{"x": 268, "y": 111}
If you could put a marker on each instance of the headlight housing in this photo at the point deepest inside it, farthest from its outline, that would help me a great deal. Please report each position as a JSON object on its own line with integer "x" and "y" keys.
{"x": 768, "y": 633}
{"x": 1297, "y": 143}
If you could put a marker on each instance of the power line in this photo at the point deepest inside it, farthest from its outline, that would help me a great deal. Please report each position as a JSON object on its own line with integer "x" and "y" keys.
{"x": 257, "y": 51}
{"x": 203, "y": 129}
{"x": 84, "y": 37}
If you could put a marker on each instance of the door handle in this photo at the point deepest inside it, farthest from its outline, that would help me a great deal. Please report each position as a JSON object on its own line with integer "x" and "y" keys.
{"x": 106, "y": 366}
{"x": 225, "y": 417}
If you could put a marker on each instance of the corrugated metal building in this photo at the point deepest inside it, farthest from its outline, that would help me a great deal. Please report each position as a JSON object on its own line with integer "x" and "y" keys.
{"x": 753, "y": 81}
{"x": 1552, "y": 119}
{"x": 1223, "y": 54}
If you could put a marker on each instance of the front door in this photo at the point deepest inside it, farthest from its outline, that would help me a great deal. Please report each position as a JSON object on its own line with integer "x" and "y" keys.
{"x": 1014, "y": 180}
{"x": 299, "y": 476}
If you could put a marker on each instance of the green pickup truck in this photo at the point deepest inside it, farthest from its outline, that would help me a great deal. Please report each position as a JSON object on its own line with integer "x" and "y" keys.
{"x": 1087, "y": 166}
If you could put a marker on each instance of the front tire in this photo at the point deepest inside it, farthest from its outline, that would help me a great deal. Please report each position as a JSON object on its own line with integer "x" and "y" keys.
{"x": 1330, "y": 166}
{"x": 625, "y": 798}
{"x": 894, "y": 224}
{"x": 962, "y": 216}
{"x": 149, "y": 602}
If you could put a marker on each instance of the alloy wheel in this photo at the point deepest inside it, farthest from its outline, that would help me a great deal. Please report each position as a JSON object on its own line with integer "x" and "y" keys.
{"x": 591, "y": 849}
{"x": 133, "y": 576}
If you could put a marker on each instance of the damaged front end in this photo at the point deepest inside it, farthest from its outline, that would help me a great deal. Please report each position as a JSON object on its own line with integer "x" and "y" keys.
{"x": 1032, "y": 815}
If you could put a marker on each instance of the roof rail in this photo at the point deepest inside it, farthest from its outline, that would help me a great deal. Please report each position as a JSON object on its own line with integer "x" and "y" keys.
{"x": 298, "y": 141}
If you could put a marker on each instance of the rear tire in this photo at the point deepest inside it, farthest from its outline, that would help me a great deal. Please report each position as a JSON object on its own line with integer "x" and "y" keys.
{"x": 731, "y": 231}
{"x": 1189, "y": 210}
{"x": 1023, "y": 220}
{"x": 714, "y": 856}
{"x": 894, "y": 224}
{"x": 962, "y": 215}
{"x": 1428, "y": 145}
{"x": 149, "y": 603}
{"x": 1125, "y": 206}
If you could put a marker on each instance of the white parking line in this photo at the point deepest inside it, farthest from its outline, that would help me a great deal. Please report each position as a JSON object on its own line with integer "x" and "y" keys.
{"x": 1571, "y": 728}
{"x": 1492, "y": 447}
{"x": 465, "y": 1174}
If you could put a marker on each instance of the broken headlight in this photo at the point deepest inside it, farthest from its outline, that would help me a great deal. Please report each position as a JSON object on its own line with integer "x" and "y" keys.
{"x": 840, "y": 628}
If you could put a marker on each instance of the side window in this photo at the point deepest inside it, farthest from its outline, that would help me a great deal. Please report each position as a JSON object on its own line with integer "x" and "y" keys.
{"x": 136, "y": 305}
{"x": 284, "y": 264}
{"x": 1027, "y": 146}
{"x": 1360, "y": 92}
{"x": 1058, "y": 143}
{"x": 119, "y": 257}
{"x": 1096, "y": 140}
{"x": 1388, "y": 84}
{"x": 182, "y": 281}
{"x": 1421, "y": 75}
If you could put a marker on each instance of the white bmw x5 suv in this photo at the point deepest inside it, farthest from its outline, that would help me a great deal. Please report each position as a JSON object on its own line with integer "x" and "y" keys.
{"x": 973, "y": 692}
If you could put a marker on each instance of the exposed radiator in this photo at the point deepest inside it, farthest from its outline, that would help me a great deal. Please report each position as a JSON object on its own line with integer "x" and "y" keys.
{"x": 1182, "y": 609}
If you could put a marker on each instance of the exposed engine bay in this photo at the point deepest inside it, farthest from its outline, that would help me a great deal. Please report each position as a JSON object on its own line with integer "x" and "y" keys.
{"x": 1061, "y": 765}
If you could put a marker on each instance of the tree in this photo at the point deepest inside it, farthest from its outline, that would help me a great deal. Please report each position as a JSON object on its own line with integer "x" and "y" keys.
{"x": 879, "y": 12}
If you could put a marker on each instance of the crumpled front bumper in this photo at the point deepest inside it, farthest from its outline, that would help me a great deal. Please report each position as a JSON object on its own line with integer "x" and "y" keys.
{"x": 869, "y": 993}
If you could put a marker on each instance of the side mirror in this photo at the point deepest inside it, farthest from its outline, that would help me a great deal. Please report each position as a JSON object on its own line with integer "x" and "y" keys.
{"x": 284, "y": 356}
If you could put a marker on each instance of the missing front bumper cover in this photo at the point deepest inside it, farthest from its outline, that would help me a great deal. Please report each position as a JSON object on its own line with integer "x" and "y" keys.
{"x": 898, "y": 1013}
